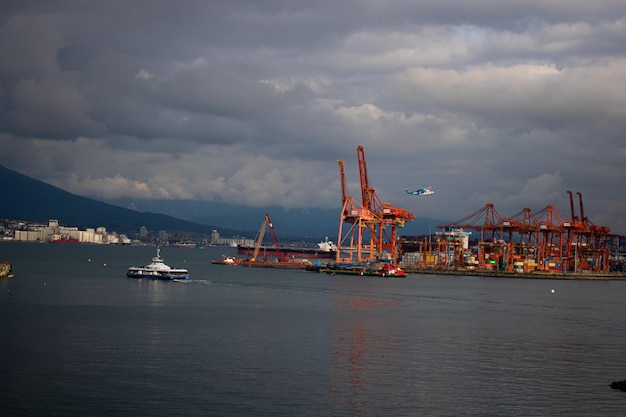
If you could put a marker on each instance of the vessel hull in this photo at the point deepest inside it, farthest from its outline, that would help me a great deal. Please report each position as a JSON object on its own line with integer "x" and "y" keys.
{"x": 287, "y": 252}
{"x": 160, "y": 276}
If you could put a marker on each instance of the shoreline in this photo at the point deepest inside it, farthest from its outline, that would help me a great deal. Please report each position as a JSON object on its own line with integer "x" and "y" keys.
{"x": 616, "y": 276}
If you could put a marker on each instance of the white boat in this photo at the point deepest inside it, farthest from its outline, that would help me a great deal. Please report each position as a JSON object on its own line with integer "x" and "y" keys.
{"x": 226, "y": 260}
{"x": 157, "y": 270}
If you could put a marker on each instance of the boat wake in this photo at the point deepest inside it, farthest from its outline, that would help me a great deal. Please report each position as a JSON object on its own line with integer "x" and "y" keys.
{"x": 195, "y": 281}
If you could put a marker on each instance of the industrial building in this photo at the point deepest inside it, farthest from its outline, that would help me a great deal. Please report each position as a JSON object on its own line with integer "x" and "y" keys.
{"x": 54, "y": 232}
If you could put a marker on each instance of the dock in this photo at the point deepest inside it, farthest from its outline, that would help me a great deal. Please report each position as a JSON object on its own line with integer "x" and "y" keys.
{"x": 618, "y": 276}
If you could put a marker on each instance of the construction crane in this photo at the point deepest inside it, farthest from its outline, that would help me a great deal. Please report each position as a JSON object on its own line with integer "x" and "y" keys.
{"x": 266, "y": 222}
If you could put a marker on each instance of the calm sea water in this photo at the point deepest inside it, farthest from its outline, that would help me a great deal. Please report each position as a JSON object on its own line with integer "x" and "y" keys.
{"x": 81, "y": 339}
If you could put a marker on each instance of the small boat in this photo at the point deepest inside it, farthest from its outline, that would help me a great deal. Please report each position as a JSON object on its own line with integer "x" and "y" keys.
{"x": 316, "y": 266}
{"x": 6, "y": 270}
{"x": 226, "y": 260}
{"x": 389, "y": 270}
{"x": 157, "y": 270}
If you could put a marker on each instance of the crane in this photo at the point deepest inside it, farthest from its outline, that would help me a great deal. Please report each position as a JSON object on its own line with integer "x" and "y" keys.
{"x": 378, "y": 218}
{"x": 384, "y": 235}
{"x": 266, "y": 222}
{"x": 350, "y": 244}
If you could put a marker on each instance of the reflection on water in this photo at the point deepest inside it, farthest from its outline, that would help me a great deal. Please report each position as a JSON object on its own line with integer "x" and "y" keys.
{"x": 4, "y": 289}
{"x": 361, "y": 344}
{"x": 360, "y": 302}
{"x": 159, "y": 292}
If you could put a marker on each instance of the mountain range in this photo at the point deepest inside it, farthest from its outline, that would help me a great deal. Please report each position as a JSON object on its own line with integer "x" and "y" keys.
{"x": 29, "y": 199}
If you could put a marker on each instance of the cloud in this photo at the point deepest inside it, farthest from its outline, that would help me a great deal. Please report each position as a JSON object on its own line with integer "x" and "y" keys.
{"x": 253, "y": 103}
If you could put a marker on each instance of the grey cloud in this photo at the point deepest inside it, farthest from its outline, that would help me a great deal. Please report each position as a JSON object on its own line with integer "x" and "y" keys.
{"x": 254, "y": 102}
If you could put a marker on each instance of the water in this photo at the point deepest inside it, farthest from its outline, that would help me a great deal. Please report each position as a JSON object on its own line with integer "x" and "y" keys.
{"x": 81, "y": 339}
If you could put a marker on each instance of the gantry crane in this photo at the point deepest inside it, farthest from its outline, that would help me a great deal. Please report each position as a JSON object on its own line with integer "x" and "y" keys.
{"x": 547, "y": 238}
{"x": 588, "y": 242}
{"x": 351, "y": 246}
{"x": 373, "y": 224}
{"x": 385, "y": 237}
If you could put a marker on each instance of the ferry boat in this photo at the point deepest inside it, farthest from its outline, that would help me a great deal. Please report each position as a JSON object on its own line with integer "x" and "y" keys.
{"x": 157, "y": 270}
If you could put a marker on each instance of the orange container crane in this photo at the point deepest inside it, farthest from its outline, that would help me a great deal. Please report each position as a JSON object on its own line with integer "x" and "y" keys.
{"x": 352, "y": 245}
{"x": 384, "y": 235}
{"x": 550, "y": 234}
{"x": 486, "y": 220}
{"x": 589, "y": 242}
{"x": 546, "y": 237}
{"x": 489, "y": 223}
{"x": 524, "y": 224}
{"x": 371, "y": 225}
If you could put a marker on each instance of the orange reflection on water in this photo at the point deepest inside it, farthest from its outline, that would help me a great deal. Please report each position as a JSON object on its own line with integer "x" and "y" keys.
{"x": 362, "y": 345}
{"x": 359, "y": 302}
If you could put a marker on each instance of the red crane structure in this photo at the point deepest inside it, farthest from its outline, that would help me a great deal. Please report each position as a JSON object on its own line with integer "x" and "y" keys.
{"x": 542, "y": 241}
{"x": 587, "y": 244}
{"x": 352, "y": 245}
{"x": 371, "y": 226}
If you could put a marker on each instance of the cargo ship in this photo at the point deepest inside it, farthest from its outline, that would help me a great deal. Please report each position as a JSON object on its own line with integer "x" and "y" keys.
{"x": 325, "y": 249}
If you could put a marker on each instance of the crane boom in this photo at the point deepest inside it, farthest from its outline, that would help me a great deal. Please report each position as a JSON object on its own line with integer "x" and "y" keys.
{"x": 369, "y": 197}
{"x": 274, "y": 238}
{"x": 342, "y": 177}
{"x": 266, "y": 222}
{"x": 261, "y": 235}
{"x": 365, "y": 183}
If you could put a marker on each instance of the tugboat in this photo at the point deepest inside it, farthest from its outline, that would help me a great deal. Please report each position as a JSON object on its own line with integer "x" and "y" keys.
{"x": 157, "y": 270}
{"x": 226, "y": 260}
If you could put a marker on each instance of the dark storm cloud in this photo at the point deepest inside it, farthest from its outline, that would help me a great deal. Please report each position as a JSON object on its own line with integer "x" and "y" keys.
{"x": 253, "y": 102}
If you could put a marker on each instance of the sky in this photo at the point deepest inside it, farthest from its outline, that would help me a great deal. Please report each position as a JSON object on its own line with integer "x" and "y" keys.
{"x": 254, "y": 102}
